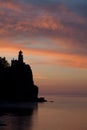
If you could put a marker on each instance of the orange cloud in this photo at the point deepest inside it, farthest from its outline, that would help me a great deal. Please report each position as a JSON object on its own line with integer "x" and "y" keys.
{"x": 63, "y": 28}
{"x": 11, "y": 4}
{"x": 51, "y": 57}
{"x": 60, "y": 24}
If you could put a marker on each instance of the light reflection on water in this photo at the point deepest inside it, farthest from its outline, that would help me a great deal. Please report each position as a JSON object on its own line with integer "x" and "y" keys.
{"x": 17, "y": 119}
{"x": 65, "y": 113}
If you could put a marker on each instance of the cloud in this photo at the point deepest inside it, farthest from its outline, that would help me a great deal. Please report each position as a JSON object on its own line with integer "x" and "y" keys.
{"x": 46, "y": 57}
{"x": 63, "y": 30}
{"x": 10, "y": 5}
{"x": 57, "y": 22}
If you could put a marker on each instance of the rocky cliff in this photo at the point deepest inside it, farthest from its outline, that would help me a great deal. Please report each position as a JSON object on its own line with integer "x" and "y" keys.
{"x": 16, "y": 81}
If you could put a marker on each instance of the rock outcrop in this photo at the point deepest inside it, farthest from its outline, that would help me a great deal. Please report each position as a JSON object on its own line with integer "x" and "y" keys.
{"x": 16, "y": 81}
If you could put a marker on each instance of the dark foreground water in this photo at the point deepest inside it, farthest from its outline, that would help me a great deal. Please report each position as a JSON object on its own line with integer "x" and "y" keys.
{"x": 65, "y": 113}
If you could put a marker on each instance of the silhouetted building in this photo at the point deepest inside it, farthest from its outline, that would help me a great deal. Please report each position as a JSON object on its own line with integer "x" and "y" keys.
{"x": 19, "y": 61}
{"x": 20, "y": 56}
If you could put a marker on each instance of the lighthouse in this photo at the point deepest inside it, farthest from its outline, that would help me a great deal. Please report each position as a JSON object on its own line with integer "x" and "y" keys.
{"x": 20, "y": 56}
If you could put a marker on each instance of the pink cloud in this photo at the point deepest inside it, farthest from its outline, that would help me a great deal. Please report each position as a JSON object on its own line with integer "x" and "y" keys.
{"x": 51, "y": 57}
{"x": 58, "y": 24}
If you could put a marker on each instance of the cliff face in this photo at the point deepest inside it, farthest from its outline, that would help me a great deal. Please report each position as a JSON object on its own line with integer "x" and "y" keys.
{"x": 16, "y": 82}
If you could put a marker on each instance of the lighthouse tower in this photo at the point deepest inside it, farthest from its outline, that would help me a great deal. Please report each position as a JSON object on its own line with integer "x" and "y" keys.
{"x": 20, "y": 56}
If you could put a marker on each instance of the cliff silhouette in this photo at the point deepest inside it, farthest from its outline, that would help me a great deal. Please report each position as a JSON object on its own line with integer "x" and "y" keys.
{"x": 16, "y": 81}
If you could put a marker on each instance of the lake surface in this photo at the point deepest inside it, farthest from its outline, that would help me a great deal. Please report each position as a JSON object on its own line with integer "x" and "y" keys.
{"x": 65, "y": 113}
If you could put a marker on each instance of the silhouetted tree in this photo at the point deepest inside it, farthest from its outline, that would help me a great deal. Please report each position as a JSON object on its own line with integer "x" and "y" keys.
{"x": 3, "y": 63}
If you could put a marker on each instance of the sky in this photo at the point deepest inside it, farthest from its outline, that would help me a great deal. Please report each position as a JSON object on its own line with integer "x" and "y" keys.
{"x": 53, "y": 37}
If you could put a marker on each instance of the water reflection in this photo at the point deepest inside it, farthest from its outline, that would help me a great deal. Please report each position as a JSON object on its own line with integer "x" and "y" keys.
{"x": 66, "y": 113}
{"x": 17, "y": 119}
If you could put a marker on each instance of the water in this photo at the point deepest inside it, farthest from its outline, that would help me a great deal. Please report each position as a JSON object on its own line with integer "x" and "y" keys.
{"x": 65, "y": 113}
